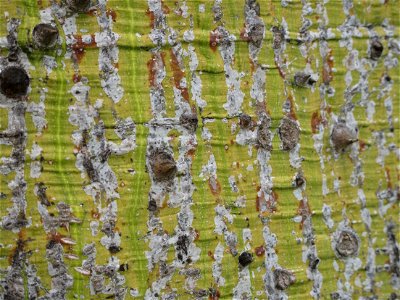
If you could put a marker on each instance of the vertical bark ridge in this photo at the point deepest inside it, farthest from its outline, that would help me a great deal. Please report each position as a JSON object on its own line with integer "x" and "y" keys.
{"x": 20, "y": 277}
{"x": 179, "y": 190}
{"x": 261, "y": 138}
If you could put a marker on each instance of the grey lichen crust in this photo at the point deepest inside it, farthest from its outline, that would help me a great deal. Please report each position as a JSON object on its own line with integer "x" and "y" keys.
{"x": 14, "y": 86}
{"x": 169, "y": 170}
{"x": 169, "y": 164}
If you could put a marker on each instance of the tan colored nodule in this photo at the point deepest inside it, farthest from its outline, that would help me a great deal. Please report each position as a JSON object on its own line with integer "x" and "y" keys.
{"x": 347, "y": 244}
{"x": 302, "y": 79}
{"x": 264, "y": 134}
{"x": 283, "y": 278}
{"x": 342, "y": 136}
{"x": 163, "y": 165}
{"x": 289, "y": 133}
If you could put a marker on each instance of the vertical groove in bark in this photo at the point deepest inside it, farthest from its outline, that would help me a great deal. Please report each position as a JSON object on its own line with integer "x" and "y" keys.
{"x": 158, "y": 238}
{"x": 224, "y": 42}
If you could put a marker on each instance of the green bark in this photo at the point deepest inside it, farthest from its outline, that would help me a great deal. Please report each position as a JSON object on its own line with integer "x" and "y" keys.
{"x": 247, "y": 61}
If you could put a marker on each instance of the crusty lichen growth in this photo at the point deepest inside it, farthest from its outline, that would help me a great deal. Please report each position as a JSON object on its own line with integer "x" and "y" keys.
{"x": 204, "y": 149}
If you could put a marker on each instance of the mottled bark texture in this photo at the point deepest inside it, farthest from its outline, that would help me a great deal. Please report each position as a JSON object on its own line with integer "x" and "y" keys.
{"x": 205, "y": 149}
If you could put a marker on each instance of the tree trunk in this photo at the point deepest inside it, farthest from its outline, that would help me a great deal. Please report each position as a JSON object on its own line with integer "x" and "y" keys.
{"x": 199, "y": 149}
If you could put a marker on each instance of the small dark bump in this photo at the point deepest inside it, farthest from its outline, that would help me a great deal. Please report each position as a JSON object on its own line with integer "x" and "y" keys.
{"x": 13, "y": 56}
{"x": 311, "y": 81}
{"x": 376, "y": 50}
{"x": 40, "y": 189}
{"x": 299, "y": 180}
{"x": 189, "y": 121}
{"x": 152, "y": 206}
{"x": 393, "y": 296}
{"x": 114, "y": 249}
{"x": 313, "y": 263}
{"x": 51, "y": 244}
{"x": 123, "y": 267}
{"x": 245, "y": 258}
{"x": 303, "y": 79}
{"x": 79, "y": 5}
{"x": 14, "y": 82}
{"x": 244, "y": 121}
{"x": 45, "y": 36}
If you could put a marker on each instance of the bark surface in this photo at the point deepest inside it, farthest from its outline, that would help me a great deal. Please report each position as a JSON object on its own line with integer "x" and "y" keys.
{"x": 219, "y": 149}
